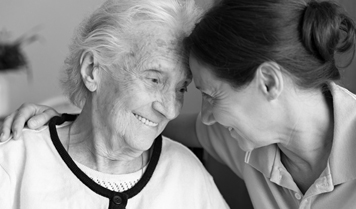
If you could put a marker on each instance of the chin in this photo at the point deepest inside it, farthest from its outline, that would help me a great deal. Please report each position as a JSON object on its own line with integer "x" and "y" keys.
{"x": 245, "y": 146}
{"x": 242, "y": 142}
{"x": 246, "y": 149}
{"x": 146, "y": 139}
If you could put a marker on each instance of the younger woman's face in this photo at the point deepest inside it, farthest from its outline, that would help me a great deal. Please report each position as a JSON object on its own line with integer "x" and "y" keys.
{"x": 241, "y": 110}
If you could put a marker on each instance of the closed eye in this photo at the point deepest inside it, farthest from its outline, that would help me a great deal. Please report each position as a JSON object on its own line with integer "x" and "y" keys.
{"x": 154, "y": 80}
{"x": 205, "y": 95}
{"x": 184, "y": 89}
{"x": 153, "y": 76}
{"x": 208, "y": 98}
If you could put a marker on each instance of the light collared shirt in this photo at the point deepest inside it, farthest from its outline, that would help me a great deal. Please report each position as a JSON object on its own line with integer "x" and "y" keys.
{"x": 271, "y": 186}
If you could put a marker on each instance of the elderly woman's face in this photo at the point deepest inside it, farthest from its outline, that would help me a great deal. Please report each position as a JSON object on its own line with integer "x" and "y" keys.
{"x": 138, "y": 101}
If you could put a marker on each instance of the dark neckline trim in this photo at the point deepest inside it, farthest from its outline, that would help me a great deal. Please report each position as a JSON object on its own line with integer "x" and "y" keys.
{"x": 156, "y": 152}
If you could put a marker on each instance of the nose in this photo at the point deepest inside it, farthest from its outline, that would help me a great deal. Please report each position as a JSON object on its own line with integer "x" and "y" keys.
{"x": 168, "y": 105}
{"x": 207, "y": 116}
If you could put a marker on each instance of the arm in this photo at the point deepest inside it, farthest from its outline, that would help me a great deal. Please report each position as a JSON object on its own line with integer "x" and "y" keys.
{"x": 182, "y": 129}
{"x": 35, "y": 115}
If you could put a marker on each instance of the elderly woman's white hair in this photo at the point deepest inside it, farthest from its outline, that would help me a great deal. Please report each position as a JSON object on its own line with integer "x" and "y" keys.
{"x": 110, "y": 31}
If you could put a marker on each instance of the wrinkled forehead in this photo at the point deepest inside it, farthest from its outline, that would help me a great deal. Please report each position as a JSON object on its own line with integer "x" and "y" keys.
{"x": 157, "y": 37}
{"x": 157, "y": 46}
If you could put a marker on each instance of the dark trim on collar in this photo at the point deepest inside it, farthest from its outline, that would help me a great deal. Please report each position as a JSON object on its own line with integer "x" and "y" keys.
{"x": 118, "y": 200}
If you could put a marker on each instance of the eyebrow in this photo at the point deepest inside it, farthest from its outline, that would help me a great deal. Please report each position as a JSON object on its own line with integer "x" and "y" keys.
{"x": 154, "y": 71}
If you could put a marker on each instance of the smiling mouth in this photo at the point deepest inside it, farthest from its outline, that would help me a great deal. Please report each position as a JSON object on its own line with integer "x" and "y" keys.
{"x": 145, "y": 121}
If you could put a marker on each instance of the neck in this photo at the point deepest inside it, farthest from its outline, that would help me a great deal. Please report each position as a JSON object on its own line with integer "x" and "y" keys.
{"x": 96, "y": 146}
{"x": 306, "y": 148}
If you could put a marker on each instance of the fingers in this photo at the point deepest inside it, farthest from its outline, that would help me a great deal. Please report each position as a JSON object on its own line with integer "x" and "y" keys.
{"x": 22, "y": 114}
{"x": 38, "y": 115}
{"x": 41, "y": 119}
{"x": 6, "y": 127}
{"x": 25, "y": 112}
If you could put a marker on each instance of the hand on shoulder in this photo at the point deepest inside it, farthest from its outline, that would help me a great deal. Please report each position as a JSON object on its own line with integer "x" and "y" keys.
{"x": 32, "y": 115}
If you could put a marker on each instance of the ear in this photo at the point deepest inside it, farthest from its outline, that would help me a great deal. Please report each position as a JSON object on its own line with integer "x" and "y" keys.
{"x": 270, "y": 79}
{"x": 89, "y": 70}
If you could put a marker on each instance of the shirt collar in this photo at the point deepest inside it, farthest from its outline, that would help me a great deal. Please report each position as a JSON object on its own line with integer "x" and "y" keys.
{"x": 262, "y": 159}
{"x": 343, "y": 154}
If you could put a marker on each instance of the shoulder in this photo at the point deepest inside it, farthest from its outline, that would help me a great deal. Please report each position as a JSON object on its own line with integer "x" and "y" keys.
{"x": 23, "y": 141}
{"x": 184, "y": 174}
{"x": 30, "y": 138}
{"x": 177, "y": 155}
{"x": 177, "y": 150}
{"x": 16, "y": 154}
{"x": 17, "y": 151}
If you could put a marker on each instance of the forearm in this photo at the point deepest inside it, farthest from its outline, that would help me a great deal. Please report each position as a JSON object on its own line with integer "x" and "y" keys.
{"x": 182, "y": 129}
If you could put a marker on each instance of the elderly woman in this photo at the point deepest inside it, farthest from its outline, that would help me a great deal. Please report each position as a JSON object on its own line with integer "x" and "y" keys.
{"x": 127, "y": 71}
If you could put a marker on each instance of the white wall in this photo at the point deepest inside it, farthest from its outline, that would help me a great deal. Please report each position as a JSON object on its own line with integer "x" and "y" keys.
{"x": 56, "y": 21}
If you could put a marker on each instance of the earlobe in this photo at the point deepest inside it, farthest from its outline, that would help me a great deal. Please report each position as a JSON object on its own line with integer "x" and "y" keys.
{"x": 88, "y": 68}
{"x": 270, "y": 79}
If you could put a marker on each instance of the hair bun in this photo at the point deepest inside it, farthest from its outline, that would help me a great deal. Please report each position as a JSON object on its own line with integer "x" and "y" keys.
{"x": 320, "y": 29}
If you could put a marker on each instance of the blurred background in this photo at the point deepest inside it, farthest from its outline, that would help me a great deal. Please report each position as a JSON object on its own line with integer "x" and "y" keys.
{"x": 50, "y": 23}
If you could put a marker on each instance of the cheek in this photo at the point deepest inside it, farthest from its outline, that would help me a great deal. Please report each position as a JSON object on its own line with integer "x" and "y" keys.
{"x": 234, "y": 117}
{"x": 179, "y": 105}
{"x": 179, "y": 99}
{"x": 224, "y": 114}
{"x": 114, "y": 99}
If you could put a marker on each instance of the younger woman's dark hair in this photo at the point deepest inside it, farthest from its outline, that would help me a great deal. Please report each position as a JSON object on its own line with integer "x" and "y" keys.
{"x": 237, "y": 36}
